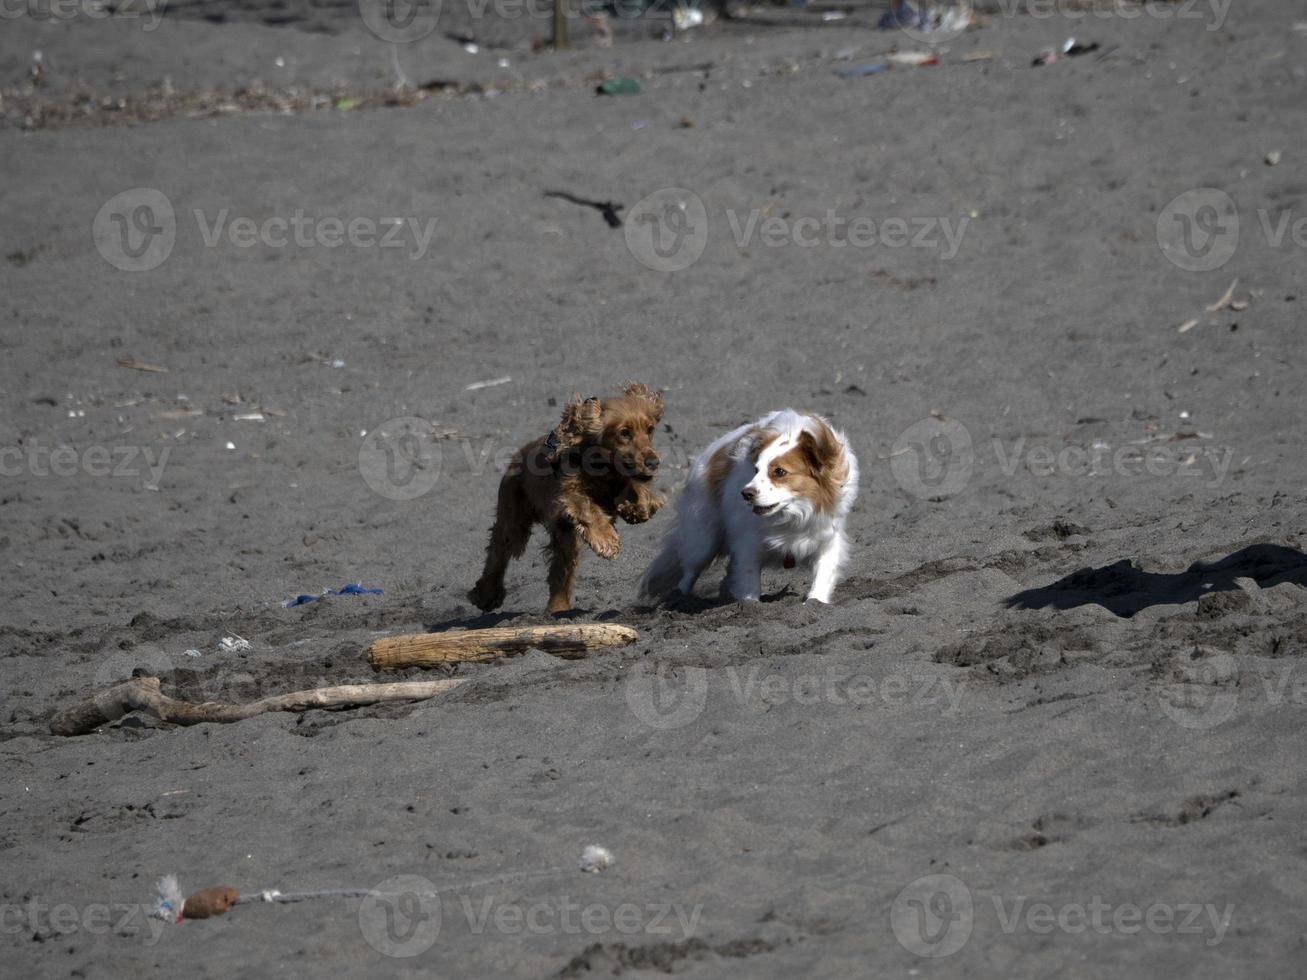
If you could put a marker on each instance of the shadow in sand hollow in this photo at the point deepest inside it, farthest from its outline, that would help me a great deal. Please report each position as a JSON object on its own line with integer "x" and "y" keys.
{"x": 1124, "y": 589}
{"x": 679, "y": 602}
{"x": 480, "y": 621}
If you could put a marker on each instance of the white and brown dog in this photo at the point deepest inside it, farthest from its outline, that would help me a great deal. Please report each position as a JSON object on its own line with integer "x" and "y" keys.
{"x": 776, "y": 492}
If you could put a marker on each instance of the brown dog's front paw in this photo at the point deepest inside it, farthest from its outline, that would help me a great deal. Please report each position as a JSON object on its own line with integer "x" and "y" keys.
{"x": 487, "y": 595}
{"x": 633, "y": 512}
{"x": 639, "y": 509}
{"x": 603, "y": 540}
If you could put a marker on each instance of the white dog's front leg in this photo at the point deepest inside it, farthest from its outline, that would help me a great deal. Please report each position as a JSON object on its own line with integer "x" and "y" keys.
{"x": 744, "y": 578}
{"x": 826, "y": 571}
{"x": 744, "y": 545}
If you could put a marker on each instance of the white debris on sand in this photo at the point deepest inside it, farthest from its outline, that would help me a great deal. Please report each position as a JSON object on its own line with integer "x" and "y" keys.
{"x": 595, "y": 858}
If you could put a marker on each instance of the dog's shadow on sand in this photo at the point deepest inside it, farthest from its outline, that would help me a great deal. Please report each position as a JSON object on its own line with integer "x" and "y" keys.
{"x": 489, "y": 620}
{"x": 677, "y": 603}
{"x": 1125, "y": 589}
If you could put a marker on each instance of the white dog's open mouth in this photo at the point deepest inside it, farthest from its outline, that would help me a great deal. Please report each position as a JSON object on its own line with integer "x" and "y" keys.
{"x": 760, "y": 511}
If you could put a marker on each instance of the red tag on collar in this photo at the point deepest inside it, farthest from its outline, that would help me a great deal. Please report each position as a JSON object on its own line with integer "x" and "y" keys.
{"x": 789, "y": 560}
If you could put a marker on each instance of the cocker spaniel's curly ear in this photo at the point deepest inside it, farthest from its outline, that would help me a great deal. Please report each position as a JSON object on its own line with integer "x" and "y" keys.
{"x": 635, "y": 389}
{"x": 582, "y": 423}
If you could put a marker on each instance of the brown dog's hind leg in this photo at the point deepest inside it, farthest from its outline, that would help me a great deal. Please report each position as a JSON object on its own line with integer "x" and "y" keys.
{"x": 508, "y": 539}
{"x": 564, "y": 557}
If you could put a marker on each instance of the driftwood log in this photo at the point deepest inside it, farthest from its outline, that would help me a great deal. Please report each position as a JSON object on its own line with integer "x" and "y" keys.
{"x": 143, "y": 694}
{"x": 430, "y": 649}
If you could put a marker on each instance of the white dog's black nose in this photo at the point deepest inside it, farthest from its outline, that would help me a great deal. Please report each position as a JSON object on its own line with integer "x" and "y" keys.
{"x": 748, "y": 493}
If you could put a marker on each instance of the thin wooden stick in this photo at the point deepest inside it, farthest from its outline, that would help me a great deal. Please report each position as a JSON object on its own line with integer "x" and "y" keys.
{"x": 560, "y": 24}
{"x": 429, "y": 649}
{"x": 143, "y": 694}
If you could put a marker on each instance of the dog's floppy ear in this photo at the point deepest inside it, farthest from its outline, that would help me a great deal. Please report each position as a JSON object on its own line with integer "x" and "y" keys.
{"x": 582, "y": 422}
{"x": 824, "y": 451}
{"x": 635, "y": 389}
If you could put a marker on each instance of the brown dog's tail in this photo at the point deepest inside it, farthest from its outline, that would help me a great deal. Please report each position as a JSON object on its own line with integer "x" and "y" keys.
{"x": 663, "y": 574}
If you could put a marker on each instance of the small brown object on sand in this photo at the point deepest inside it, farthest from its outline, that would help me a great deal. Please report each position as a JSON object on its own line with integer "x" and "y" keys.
{"x": 210, "y": 902}
{"x": 428, "y": 649}
{"x": 143, "y": 694}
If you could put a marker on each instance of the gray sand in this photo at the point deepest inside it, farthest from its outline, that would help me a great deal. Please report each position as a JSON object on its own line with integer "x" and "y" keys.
{"x": 1026, "y": 685}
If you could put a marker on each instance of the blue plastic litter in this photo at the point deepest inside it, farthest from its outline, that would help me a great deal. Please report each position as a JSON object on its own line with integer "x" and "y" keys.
{"x": 354, "y": 588}
{"x": 875, "y": 68}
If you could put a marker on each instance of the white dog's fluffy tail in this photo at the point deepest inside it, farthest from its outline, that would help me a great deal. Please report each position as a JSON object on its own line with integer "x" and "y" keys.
{"x": 663, "y": 574}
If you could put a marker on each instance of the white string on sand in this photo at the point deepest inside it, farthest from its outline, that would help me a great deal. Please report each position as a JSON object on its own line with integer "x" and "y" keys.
{"x": 286, "y": 898}
{"x": 170, "y": 905}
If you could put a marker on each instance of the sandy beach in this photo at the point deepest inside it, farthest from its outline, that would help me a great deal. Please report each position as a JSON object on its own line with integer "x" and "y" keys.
{"x": 279, "y": 296}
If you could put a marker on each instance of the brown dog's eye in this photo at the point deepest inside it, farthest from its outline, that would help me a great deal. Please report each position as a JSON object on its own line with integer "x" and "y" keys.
{"x": 625, "y": 433}
{"x": 778, "y": 472}
{"x": 651, "y": 430}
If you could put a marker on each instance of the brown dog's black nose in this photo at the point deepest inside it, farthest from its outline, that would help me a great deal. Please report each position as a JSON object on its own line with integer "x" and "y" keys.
{"x": 748, "y": 493}
{"x": 651, "y": 463}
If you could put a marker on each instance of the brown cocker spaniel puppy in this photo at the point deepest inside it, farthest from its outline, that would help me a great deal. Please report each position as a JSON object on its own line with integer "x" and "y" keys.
{"x": 597, "y": 464}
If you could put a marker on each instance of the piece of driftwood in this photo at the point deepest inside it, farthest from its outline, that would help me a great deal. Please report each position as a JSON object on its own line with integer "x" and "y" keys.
{"x": 429, "y": 649}
{"x": 143, "y": 694}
